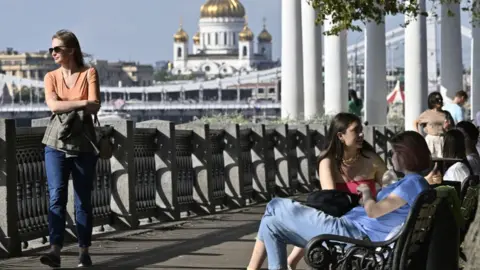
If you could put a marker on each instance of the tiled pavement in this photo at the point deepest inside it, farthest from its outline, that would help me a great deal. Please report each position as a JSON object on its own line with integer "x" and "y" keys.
{"x": 219, "y": 242}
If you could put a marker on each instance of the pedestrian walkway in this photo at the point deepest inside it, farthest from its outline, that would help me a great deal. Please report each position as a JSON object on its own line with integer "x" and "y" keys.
{"x": 223, "y": 241}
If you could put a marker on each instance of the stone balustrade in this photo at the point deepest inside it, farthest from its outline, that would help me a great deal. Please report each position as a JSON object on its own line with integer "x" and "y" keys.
{"x": 160, "y": 170}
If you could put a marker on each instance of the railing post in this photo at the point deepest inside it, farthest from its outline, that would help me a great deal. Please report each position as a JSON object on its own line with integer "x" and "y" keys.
{"x": 369, "y": 136}
{"x": 9, "y": 235}
{"x": 303, "y": 150}
{"x": 202, "y": 166}
{"x": 235, "y": 181}
{"x": 165, "y": 162}
{"x": 262, "y": 187}
{"x": 316, "y": 144}
{"x": 283, "y": 181}
{"x": 123, "y": 200}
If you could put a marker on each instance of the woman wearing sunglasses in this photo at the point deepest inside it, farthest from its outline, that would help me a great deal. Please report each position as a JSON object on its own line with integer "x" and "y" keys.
{"x": 72, "y": 89}
{"x": 435, "y": 122}
{"x": 347, "y": 162}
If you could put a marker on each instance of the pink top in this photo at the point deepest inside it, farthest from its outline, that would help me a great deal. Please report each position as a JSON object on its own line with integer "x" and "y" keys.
{"x": 351, "y": 186}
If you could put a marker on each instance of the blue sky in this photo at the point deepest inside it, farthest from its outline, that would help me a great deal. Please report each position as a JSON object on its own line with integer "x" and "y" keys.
{"x": 138, "y": 30}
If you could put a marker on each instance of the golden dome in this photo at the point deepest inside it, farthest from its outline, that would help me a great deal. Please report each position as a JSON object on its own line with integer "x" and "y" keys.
{"x": 196, "y": 38}
{"x": 246, "y": 34}
{"x": 264, "y": 36}
{"x": 181, "y": 36}
{"x": 222, "y": 8}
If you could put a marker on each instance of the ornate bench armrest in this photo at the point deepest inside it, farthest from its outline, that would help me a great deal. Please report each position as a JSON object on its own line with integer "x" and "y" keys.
{"x": 327, "y": 250}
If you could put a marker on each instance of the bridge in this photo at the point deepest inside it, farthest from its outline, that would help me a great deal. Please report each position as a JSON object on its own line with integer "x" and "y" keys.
{"x": 183, "y": 100}
{"x": 240, "y": 81}
{"x": 141, "y": 111}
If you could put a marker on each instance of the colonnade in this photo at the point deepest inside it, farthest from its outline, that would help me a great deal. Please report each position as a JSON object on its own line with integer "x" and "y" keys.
{"x": 305, "y": 93}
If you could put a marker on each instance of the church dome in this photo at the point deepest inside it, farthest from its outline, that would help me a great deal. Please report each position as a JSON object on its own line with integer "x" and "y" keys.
{"x": 196, "y": 38}
{"x": 180, "y": 36}
{"x": 222, "y": 8}
{"x": 264, "y": 36}
{"x": 246, "y": 34}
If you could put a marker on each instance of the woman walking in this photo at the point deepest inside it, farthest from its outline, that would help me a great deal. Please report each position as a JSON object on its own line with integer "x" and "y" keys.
{"x": 72, "y": 94}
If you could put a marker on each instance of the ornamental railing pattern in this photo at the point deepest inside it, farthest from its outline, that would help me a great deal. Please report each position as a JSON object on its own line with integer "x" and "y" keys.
{"x": 161, "y": 170}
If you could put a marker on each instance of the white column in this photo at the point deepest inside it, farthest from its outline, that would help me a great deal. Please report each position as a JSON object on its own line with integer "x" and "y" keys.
{"x": 475, "y": 68}
{"x": 292, "y": 62}
{"x": 432, "y": 59}
{"x": 451, "y": 67}
{"x": 415, "y": 68}
{"x": 374, "y": 102}
{"x": 336, "y": 72}
{"x": 312, "y": 63}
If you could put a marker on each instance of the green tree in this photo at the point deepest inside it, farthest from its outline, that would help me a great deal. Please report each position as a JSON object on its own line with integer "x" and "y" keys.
{"x": 346, "y": 13}
{"x": 160, "y": 75}
{"x": 165, "y": 76}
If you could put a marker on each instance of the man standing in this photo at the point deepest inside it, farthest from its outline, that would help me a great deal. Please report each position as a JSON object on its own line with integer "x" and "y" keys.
{"x": 455, "y": 108}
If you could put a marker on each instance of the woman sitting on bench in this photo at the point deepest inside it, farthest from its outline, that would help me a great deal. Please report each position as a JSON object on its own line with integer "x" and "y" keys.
{"x": 347, "y": 162}
{"x": 289, "y": 222}
{"x": 453, "y": 147}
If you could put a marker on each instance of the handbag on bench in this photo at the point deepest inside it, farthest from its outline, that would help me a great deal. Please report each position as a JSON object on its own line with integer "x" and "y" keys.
{"x": 335, "y": 203}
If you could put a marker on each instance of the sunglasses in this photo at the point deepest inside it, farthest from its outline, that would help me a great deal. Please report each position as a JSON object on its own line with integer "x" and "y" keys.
{"x": 57, "y": 49}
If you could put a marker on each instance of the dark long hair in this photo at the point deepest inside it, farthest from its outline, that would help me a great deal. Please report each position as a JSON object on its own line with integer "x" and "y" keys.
{"x": 71, "y": 41}
{"x": 471, "y": 134}
{"x": 334, "y": 147}
{"x": 454, "y": 147}
{"x": 434, "y": 99}
{"x": 353, "y": 95}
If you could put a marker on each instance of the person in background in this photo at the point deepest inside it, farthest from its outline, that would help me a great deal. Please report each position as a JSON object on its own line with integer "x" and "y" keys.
{"x": 477, "y": 119}
{"x": 355, "y": 104}
{"x": 471, "y": 134}
{"x": 436, "y": 122}
{"x": 455, "y": 108}
{"x": 454, "y": 147}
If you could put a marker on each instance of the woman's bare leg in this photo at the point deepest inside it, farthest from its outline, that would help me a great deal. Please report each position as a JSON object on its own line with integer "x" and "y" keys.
{"x": 295, "y": 257}
{"x": 258, "y": 256}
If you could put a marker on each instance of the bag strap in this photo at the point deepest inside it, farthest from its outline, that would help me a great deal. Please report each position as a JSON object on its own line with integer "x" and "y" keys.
{"x": 95, "y": 120}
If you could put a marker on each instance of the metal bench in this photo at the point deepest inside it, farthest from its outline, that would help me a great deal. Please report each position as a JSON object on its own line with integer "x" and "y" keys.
{"x": 337, "y": 252}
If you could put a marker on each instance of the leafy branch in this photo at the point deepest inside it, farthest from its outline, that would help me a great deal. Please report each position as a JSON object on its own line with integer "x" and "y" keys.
{"x": 343, "y": 14}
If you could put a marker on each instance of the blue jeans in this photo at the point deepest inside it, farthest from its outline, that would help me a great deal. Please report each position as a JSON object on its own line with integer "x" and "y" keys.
{"x": 82, "y": 168}
{"x": 289, "y": 222}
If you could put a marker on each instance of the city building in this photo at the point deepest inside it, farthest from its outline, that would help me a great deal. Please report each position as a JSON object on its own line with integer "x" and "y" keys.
{"x": 224, "y": 44}
{"x": 34, "y": 65}
{"x": 123, "y": 74}
{"x": 29, "y": 65}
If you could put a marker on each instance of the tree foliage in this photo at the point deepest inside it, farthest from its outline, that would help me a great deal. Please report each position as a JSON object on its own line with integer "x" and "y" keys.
{"x": 344, "y": 14}
{"x": 165, "y": 76}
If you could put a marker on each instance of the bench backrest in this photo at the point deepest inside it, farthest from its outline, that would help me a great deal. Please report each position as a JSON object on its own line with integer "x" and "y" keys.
{"x": 417, "y": 227}
{"x": 469, "y": 197}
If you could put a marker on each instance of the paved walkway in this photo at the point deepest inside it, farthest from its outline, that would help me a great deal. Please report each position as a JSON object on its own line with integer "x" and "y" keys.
{"x": 223, "y": 241}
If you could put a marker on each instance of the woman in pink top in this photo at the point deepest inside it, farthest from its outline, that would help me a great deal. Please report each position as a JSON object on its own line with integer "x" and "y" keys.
{"x": 347, "y": 162}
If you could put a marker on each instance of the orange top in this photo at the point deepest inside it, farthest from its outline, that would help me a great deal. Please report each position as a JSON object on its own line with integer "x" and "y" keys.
{"x": 83, "y": 89}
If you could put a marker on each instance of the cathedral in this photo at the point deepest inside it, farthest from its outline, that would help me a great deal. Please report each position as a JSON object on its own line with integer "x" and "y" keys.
{"x": 224, "y": 44}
